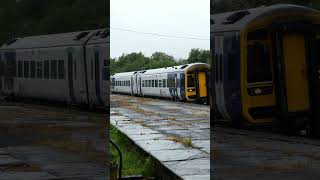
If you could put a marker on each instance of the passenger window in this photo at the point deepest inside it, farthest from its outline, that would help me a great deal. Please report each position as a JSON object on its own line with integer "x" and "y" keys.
{"x": 46, "y": 70}
{"x": 164, "y": 83}
{"x": 142, "y": 83}
{"x": 2, "y": 69}
{"x": 156, "y": 83}
{"x": 191, "y": 80}
{"x": 160, "y": 83}
{"x": 26, "y": 69}
{"x": 152, "y": 83}
{"x": 258, "y": 63}
{"x": 54, "y": 69}
{"x": 20, "y": 66}
{"x": 39, "y": 70}
{"x": 32, "y": 69}
{"x": 61, "y": 70}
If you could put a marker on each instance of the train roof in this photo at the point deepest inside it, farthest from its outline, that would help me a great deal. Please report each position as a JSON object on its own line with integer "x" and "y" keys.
{"x": 237, "y": 20}
{"x": 171, "y": 69}
{"x": 52, "y": 40}
{"x": 101, "y": 36}
{"x": 124, "y": 74}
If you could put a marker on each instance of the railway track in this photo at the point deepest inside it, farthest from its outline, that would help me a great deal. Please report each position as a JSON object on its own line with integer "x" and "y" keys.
{"x": 165, "y": 99}
{"x": 267, "y": 135}
{"x": 268, "y": 130}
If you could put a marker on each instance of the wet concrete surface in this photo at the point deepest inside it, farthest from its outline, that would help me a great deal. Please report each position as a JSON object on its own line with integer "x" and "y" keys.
{"x": 236, "y": 154}
{"x": 174, "y": 133}
{"x": 241, "y": 154}
{"x": 42, "y": 142}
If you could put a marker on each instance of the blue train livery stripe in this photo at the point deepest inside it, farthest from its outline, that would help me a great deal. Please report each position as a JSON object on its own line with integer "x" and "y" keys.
{"x": 182, "y": 86}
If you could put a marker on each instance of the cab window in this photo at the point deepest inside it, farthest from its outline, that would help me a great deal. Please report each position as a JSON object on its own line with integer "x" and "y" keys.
{"x": 191, "y": 80}
{"x": 258, "y": 63}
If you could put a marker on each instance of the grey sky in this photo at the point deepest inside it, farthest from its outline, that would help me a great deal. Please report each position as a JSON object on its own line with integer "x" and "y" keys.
{"x": 187, "y": 18}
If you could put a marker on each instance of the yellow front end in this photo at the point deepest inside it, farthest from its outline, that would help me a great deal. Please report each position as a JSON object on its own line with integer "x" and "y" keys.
{"x": 196, "y": 82}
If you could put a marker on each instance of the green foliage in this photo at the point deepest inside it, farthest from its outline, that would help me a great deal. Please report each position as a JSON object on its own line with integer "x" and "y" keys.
{"x": 34, "y": 17}
{"x": 134, "y": 161}
{"x": 138, "y": 61}
{"x": 198, "y": 55}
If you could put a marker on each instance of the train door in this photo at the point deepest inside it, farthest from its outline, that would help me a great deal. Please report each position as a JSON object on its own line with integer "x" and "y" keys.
{"x": 97, "y": 76}
{"x": 113, "y": 83}
{"x": 295, "y": 72}
{"x": 314, "y": 75}
{"x": 132, "y": 84}
{"x": 70, "y": 77}
{"x": 202, "y": 84}
{"x": 175, "y": 87}
{"x": 1, "y": 71}
{"x": 10, "y": 72}
{"x": 137, "y": 84}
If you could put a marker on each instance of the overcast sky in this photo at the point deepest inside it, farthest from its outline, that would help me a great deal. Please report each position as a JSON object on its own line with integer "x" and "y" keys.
{"x": 186, "y": 18}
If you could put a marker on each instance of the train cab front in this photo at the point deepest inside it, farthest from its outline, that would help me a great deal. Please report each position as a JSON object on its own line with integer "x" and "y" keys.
{"x": 281, "y": 69}
{"x": 196, "y": 82}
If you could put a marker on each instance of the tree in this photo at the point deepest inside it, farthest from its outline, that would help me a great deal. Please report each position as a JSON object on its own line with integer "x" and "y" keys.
{"x": 34, "y": 17}
{"x": 138, "y": 61}
{"x": 198, "y": 55}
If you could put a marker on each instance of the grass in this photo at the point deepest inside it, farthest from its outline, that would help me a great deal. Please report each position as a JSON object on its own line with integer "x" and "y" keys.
{"x": 185, "y": 141}
{"x": 134, "y": 162}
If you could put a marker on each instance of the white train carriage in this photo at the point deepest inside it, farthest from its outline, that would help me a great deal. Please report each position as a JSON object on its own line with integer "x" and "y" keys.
{"x": 53, "y": 67}
{"x": 185, "y": 82}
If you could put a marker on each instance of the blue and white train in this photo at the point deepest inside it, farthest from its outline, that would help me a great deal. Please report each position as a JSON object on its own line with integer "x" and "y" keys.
{"x": 184, "y": 82}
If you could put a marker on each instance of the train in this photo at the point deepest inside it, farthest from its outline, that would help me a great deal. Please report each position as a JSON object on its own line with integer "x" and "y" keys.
{"x": 71, "y": 68}
{"x": 186, "y": 82}
{"x": 265, "y": 66}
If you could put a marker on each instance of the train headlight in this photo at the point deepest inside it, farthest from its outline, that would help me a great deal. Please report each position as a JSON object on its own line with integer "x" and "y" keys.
{"x": 257, "y": 91}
